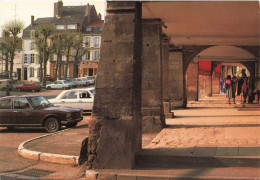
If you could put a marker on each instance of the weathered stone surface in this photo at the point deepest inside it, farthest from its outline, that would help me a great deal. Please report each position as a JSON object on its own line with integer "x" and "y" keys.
{"x": 115, "y": 129}
{"x": 152, "y": 76}
{"x": 176, "y": 88}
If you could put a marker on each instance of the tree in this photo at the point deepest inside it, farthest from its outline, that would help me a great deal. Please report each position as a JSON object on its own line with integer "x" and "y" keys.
{"x": 14, "y": 28}
{"x": 44, "y": 44}
{"x": 5, "y": 48}
{"x": 68, "y": 46}
{"x": 58, "y": 49}
{"x": 80, "y": 50}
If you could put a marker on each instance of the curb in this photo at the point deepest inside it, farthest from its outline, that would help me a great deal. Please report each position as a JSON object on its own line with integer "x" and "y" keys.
{"x": 47, "y": 157}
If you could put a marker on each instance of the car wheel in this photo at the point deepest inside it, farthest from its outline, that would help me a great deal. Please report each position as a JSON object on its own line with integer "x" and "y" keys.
{"x": 52, "y": 125}
{"x": 72, "y": 125}
{"x": 48, "y": 88}
{"x": 33, "y": 90}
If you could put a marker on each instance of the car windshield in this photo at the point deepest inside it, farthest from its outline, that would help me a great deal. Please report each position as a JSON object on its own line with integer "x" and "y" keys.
{"x": 92, "y": 91}
{"x": 40, "y": 102}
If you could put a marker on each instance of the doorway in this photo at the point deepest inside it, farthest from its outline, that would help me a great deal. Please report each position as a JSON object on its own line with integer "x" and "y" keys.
{"x": 25, "y": 73}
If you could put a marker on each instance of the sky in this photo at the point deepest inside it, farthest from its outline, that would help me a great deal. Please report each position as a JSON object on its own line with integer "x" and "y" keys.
{"x": 23, "y": 9}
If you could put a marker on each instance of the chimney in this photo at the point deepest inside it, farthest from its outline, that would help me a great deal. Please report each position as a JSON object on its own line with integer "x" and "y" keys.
{"x": 58, "y": 8}
{"x": 86, "y": 10}
{"x": 32, "y": 20}
{"x": 99, "y": 16}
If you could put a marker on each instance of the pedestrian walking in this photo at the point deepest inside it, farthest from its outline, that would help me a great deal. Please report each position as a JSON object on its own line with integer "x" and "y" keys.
{"x": 234, "y": 88}
{"x": 244, "y": 87}
{"x": 228, "y": 88}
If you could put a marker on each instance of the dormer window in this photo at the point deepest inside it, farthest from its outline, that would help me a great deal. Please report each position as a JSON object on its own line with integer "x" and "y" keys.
{"x": 101, "y": 29}
{"x": 88, "y": 29}
{"x": 60, "y": 27}
{"x": 72, "y": 26}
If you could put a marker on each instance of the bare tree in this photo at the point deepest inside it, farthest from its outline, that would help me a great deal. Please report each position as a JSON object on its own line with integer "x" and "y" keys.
{"x": 43, "y": 34}
{"x": 68, "y": 46}
{"x": 14, "y": 28}
{"x": 58, "y": 48}
{"x": 80, "y": 50}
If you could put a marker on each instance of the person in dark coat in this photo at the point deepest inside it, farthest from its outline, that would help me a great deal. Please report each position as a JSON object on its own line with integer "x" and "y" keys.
{"x": 234, "y": 88}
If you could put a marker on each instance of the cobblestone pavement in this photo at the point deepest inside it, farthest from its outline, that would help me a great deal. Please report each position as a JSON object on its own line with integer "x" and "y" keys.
{"x": 210, "y": 127}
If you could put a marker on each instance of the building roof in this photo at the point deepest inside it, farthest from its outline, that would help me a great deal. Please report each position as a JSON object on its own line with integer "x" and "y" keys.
{"x": 70, "y": 15}
{"x": 97, "y": 24}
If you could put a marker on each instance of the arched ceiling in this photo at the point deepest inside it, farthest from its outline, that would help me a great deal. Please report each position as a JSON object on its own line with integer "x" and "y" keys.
{"x": 207, "y": 22}
{"x": 226, "y": 53}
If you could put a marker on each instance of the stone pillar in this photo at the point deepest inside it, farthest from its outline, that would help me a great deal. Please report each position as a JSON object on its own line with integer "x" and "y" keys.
{"x": 192, "y": 75}
{"x": 176, "y": 88}
{"x": 152, "y": 111}
{"x": 165, "y": 78}
{"x": 205, "y": 86}
{"x": 115, "y": 131}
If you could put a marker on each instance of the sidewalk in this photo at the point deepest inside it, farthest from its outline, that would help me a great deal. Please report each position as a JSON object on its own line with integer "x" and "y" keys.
{"x": 197, "y": 137}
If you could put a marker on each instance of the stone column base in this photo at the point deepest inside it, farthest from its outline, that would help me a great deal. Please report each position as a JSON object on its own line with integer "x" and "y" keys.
{"x": 167, "y": 110}
{"x": 151, "y": 124}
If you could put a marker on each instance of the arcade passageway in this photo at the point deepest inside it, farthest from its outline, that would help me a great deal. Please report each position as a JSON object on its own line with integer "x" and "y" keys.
{"x": 150, "y": 51}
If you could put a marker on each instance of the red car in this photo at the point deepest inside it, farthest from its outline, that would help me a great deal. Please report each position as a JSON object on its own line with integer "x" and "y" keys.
{"x": 49, "y": 78}
{"x": 30, "y": 86}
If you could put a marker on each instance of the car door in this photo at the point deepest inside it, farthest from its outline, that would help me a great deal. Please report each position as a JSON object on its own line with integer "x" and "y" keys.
{"x": 23, "y": 113}
{"x": 70, "y": 99}
{"x": 60, "y": 85}
{"x": 86, "y": 100}
{"x": 5, "y": 111}
{"x": 54, "y": 85}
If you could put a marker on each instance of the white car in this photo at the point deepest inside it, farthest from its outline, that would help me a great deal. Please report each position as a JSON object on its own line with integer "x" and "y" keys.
{"x": 80, "y": 98}
{"x": 81, "y": 82}
{"x": 59, "y": 84}
{"x": 91, "y": 79}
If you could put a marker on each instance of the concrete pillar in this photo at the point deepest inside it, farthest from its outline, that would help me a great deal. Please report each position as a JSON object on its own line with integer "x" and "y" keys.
{"x": 152, "y": 104}
{"x": 165, "y": 78}
{"x": 176, "y": 79}
{"x": 115, "y": 131}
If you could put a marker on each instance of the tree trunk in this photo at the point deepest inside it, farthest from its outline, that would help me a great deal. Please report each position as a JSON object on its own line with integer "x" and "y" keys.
{"x": 41, "y": 68}
{"x": 56, "y": 69}
{"x": 75, "y": 65}
{"x": 60, "y": 63}
{"x": 11, "y": 66}
{"x": 6, "y": 63}
{"x": 67, "y": 62}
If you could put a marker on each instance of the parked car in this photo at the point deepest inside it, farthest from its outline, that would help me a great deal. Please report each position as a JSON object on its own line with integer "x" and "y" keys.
{"x": 73, "y": 82}
{"x": 91, "y": 80}
{"x": 81, "y": 82}
{"x": 33, "y": 110}
{"x": 6, "y": 82}
{"x": 77, "y": 98}
{"x": 86, "y": 80}
{"x": 30, "y": 86}
{"x": 59, "y": 84}
{"x": 49, "y": 78}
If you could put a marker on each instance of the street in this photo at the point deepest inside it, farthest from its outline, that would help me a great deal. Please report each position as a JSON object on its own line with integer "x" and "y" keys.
{"x": 12, "y": 164}
{"x": 16, "y": 167}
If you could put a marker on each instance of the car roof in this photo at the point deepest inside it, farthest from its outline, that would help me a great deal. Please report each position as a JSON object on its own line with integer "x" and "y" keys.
{"x": 84, "y": 89}
{"x": 8, "y": 97}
